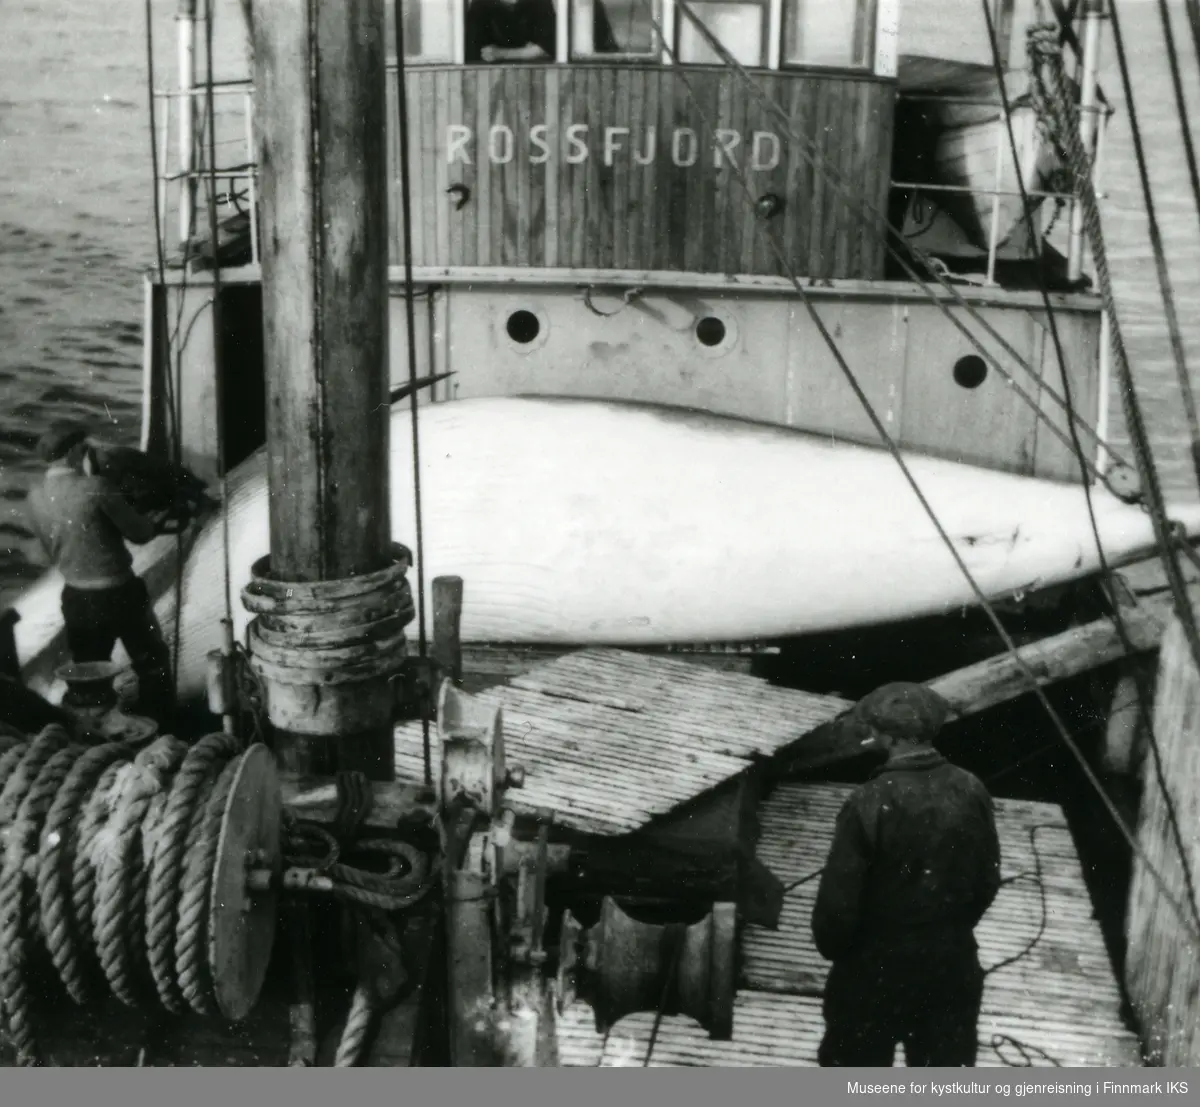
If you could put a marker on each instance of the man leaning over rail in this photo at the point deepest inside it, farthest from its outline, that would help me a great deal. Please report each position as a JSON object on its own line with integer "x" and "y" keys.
{"x": 914, "y": 864}
{"x": 83, "y": 522}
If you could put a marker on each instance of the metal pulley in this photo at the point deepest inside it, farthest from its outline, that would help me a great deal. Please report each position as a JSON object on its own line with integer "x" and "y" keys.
{"x": 622, "y": 966}
{"x": 474, "y": 771}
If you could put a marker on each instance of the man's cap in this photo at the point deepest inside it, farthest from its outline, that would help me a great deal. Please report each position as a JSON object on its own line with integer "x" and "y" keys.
{"x": 904, "y": 710}
{"x": 60, "y": 440}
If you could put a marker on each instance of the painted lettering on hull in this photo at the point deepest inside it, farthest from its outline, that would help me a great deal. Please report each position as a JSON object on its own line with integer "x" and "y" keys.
{"x": 683, "y": 147}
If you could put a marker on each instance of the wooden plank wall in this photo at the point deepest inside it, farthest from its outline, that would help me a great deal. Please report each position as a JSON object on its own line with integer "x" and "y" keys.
{"x": 617, "y": 168}
{"x": 1162, "y": 962}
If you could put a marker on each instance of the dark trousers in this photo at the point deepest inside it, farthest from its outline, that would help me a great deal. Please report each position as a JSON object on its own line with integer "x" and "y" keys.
{"x": 96, "y": 619}
{"x": 928, "y": 1000}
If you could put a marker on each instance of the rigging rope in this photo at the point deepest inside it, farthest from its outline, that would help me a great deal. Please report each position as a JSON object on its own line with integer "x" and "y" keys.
{"x": 1143, "y": 693}
{"x": 1188, "y": 923}
{"x": 874, "y": 216}
{"x": 1156, "y": 242}
{"x": 406, "y": 215}
{"x": 1045, "y": 55}
{"x": 1193, "y": 14}
{"x": 1181, "y": 109}
{"x": 167, "y": 343}
{"x": 218, "y": 359}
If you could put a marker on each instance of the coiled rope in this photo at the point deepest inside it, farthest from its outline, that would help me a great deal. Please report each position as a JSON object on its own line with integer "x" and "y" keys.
{"x": 108, "y": 865}
{"x": 107, "y": 871}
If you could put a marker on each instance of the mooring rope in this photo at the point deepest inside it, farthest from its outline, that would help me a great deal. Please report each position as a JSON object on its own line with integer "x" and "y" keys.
{"x": 358, "y": 1025}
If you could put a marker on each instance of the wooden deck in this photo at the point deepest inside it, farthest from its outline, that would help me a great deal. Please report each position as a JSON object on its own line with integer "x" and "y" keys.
{"x": 1058, "y": 1004}
{"x": 611, "y": 739}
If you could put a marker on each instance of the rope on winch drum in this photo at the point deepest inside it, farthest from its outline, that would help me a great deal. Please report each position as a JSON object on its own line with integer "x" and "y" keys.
{"x": 92, "y": 867}
{"x": 985, "y": 604}
{"x": 108, "y": 865}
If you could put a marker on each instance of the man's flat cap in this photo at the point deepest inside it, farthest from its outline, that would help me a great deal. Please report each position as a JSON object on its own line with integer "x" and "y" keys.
{"x": 904, "y": 710}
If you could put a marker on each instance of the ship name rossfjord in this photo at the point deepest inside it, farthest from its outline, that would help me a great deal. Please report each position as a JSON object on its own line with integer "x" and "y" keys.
{"x": 759, "y": 151}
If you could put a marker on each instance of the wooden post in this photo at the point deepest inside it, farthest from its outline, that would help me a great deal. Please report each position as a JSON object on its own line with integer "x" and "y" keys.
{"x": 447, "y": 619}
{"x": 1162, "y": 969}
{"x": 1125, "y": 728}
{"x": 320, "y": 82}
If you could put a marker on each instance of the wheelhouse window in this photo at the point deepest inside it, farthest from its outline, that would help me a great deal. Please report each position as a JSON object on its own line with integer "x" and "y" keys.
{"x": 615, "y": 28}
{"x": 428, "y": 30}
{"x": 823, "y": 33}
{"x": 510, "y": 30}
{"x": 740, "y": 26}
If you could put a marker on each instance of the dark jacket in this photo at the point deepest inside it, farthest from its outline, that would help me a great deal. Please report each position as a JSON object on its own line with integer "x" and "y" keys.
{"x": 83, "y": 523}
{"x": 915, "y": 862}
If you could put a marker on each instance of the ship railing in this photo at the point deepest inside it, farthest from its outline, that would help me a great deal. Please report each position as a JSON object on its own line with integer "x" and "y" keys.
{"x": 1101, "y": 113}
{"x": 184, "y": 176}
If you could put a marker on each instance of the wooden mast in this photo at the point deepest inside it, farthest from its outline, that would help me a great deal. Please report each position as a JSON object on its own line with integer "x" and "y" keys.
{"x": 320, "y": 80}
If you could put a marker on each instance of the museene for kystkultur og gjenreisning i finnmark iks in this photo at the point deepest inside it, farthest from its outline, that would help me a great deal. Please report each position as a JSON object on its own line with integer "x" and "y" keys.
{"x": 1021, "y": 1088}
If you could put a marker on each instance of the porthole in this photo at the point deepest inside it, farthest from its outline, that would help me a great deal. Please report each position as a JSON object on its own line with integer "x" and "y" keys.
{"x": 710, "y": 331}
{"x": 970, "y": 371}
{"x": 523, "y": 327}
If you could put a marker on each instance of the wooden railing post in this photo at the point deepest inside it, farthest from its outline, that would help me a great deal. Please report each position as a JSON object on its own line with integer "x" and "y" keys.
{"x": 447, "y": 623}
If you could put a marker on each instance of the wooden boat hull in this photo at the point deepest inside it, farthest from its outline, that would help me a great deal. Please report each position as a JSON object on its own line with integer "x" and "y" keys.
{"x": 584, "y": 522}
{"x": 968, "y": 156}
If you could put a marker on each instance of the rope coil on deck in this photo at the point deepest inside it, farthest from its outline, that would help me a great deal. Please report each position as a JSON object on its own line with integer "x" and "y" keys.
{"x": 320, "y": 647}
{"x": 108, "y": 860}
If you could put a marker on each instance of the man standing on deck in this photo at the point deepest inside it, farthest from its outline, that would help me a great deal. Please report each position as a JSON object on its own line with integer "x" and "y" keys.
{"x": 915, "y": 863}
{"x": 83, "y": 522}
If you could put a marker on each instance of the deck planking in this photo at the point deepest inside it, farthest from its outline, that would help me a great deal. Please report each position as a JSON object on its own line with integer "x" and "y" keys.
{"x": 1060, "y": 1004}
{"x": 611, "y": 739}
